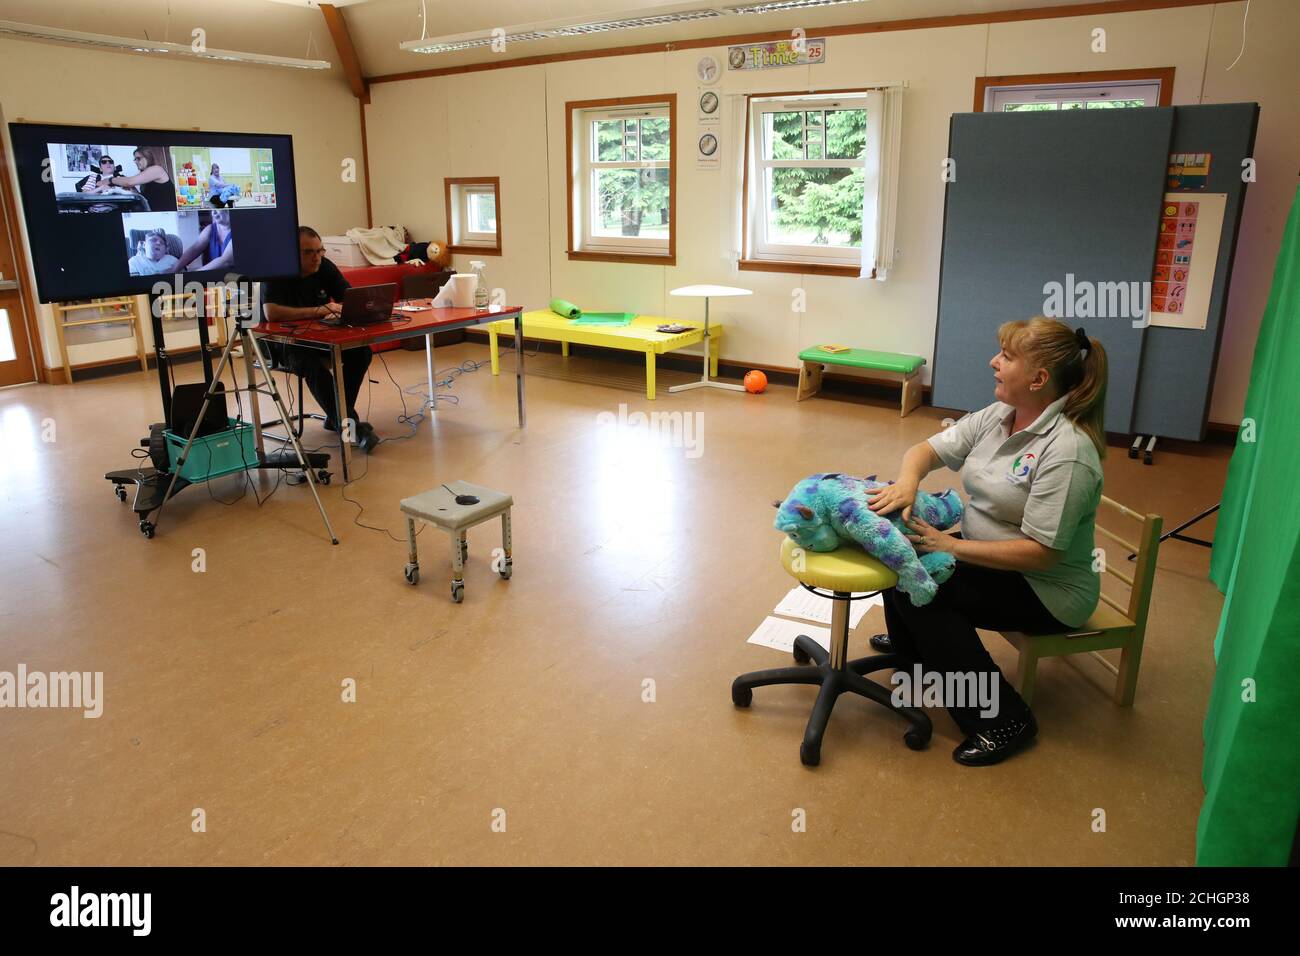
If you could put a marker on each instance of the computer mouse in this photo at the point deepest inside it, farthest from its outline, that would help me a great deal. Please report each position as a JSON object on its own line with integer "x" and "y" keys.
{"x": 466, "y": 499}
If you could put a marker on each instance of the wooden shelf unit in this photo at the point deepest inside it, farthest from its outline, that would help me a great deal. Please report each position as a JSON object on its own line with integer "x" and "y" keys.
{"x": 118, "y": 310}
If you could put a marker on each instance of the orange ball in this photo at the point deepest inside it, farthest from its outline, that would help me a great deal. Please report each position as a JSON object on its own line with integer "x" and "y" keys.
{"x": 755, "y": 381}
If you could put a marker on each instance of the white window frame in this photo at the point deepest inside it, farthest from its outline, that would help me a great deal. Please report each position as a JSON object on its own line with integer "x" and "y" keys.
{"x": 759, "y": 247}
{"x": 587, "y": 166}
{"x": 468, "y": 236}
{"x": 461, "y": 236}
{"x": 996, "y": 98}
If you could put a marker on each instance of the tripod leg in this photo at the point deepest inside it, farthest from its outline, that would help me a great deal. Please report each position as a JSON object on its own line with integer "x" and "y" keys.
{"x": 284, "y": 416}
{"x": 194, "y": 432}
{"x": 254, "y": 412}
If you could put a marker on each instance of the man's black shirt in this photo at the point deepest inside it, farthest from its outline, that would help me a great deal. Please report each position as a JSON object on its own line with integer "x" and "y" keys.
{"x": 306, "y": 292}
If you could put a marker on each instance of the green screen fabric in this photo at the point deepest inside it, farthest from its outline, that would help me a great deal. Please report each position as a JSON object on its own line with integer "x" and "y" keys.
{"x": 1252, "y": 747}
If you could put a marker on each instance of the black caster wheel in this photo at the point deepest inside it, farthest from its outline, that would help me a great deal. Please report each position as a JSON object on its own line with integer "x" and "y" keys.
{"x": 1132, "y": 452}
{"x": 412, "y": 573}
{"x": 458, "y": 592}
{"x": 809, "y": 756}
{"x": 1146, "y": 458}
{"x": 801, "y": 656}
{"x": 120, "y": 492}
{"x": 742, "y": 696}
{"x": 507, "y": 571}
{"x": 916, "y": 739}
{"x": 147, "y": 528}
{"x": 324, "y": 478}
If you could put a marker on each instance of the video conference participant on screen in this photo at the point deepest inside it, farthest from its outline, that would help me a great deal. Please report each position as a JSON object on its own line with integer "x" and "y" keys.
{"x": 220, "y": 192}
{"x": 154, "y": 181}
{"x": 99, "y": 180}
{"x": 155, "y": 260}
{"x": 316, "y": 294}
{"x": 215, "y": 246}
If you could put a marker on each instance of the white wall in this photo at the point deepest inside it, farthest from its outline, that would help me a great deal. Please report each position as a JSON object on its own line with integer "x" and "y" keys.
{"x": 42, "y": 82}
{"x": 510, "y": 123}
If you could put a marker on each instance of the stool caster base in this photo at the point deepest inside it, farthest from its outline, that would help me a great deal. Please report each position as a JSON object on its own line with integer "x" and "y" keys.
{"x": 832, "y": 682}
{"x": 806, "y": 650}
{"x": 458, "y": 591}
{"x": 412, "y": 573}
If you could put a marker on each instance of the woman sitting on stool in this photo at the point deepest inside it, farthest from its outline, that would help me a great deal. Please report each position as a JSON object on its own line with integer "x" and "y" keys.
{"x": 1031, "y": 466}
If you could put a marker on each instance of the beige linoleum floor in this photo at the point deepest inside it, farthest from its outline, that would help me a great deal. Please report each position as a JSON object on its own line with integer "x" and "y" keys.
{"x": 633, "y": 561}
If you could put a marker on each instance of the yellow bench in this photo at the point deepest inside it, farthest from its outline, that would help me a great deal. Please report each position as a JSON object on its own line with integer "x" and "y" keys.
{"x": 640, "y": 336}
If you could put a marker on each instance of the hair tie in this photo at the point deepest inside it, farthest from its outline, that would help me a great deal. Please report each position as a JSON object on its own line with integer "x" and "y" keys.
{"x": 1081, "y": 337}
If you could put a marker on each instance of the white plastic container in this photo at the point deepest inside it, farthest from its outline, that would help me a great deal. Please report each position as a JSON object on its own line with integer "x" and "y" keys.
{"x": 343, "y": 252}
{"x": 463, "y": 285}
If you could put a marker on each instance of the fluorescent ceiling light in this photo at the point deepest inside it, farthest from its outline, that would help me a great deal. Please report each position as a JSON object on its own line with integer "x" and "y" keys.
{"x": 782, "y": 6}
{"x": 29, "y": 31}
{"x": 631, "y": 23}
{"x": 556, "y": 28}
{"x": 466, "y": 42}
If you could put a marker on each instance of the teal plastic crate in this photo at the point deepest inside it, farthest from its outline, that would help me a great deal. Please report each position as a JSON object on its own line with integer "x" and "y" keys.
{"x": 212, "y": 456}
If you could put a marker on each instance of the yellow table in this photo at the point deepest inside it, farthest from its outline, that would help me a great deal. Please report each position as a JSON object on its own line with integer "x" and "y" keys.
{"x": 640, "y": 336}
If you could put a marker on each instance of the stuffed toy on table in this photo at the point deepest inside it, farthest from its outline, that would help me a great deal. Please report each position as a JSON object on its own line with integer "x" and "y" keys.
{"x": 822, "y": 511}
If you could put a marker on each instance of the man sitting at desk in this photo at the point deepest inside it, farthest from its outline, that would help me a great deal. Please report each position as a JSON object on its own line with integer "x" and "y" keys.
{"x": 315, "y": 295}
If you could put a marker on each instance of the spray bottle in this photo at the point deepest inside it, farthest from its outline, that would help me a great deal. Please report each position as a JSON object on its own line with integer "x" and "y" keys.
{"x": 481, "y": 295}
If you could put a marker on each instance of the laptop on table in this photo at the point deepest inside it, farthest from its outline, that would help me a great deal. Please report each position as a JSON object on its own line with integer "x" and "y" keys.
{"x": 367, "y": 305}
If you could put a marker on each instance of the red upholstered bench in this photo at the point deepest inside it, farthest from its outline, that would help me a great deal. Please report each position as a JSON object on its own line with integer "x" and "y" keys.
{"x": 378, "y": 275}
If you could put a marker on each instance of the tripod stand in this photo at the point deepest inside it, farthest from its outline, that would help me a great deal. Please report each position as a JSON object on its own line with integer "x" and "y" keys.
{"x": 1177, "y": 533}
{"x": 250, "y": 348}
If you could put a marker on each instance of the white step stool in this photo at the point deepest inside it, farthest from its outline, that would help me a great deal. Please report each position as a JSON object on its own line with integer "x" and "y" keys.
{"x": 438, "y": 506}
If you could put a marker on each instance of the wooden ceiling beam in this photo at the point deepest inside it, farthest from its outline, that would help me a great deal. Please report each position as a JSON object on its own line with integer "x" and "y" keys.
{"x": 338, "y": 28}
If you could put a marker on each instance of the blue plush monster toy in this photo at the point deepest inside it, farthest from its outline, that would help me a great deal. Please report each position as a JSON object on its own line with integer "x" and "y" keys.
{"x": 824, "y": 510}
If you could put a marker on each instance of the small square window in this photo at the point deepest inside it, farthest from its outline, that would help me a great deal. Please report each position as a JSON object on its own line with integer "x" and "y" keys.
{"x": 474, "y": 214}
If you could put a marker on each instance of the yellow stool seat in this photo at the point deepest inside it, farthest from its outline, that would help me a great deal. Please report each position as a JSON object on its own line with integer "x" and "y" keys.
{"x": 846, "y": 569}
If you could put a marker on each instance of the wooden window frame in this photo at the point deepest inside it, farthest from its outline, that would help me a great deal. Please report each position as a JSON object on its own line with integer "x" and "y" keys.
{"x": 571, "y": 167}
{"x": 747, "y": 264}
{"x": 1163, "y": 74}
{"x": 450, "y": 191}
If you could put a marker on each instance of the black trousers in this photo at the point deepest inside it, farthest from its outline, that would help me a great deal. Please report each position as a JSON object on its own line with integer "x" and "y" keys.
{"x": 316, "y": 369}
{"x": 941, "y": 635}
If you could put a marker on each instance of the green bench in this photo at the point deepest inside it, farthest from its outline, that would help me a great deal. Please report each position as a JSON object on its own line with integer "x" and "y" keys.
{"x": 813, "y": 361}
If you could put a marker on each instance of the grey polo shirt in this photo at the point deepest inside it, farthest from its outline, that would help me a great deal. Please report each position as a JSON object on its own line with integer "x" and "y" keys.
{"x": 1044, "y": 483}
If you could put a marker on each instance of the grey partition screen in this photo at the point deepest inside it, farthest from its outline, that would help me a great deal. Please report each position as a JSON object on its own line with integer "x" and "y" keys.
{"x": 1177, "y": 374}
{"x": 1041, "y": 197}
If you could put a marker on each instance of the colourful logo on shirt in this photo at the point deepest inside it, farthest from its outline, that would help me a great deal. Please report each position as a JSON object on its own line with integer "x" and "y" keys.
{"x": 1021, "y": 467}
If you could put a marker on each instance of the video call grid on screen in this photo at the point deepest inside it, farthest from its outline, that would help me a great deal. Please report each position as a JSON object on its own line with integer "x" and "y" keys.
{"x": 198, "y": 205}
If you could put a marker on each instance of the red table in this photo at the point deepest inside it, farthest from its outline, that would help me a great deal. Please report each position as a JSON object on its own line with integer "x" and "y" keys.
{"x": 403, "y": 325}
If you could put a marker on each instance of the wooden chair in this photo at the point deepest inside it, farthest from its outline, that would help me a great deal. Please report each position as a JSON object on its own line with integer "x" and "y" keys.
{"x": 1112, "y": 625}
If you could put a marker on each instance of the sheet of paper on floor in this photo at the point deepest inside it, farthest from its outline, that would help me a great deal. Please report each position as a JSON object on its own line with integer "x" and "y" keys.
{"x": 813, "y": 607}
{"x": 779, "y": 633}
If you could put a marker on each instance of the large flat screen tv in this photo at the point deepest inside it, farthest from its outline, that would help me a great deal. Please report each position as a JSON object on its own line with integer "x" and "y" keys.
{"x": 114, "y": 211}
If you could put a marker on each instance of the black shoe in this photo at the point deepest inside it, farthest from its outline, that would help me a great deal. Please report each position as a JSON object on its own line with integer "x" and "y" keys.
{"x": 367, "y": 439}
{"x": 997, "y": 743}
{"x": 882, "y": 643}
{"x": 330, "y": 425}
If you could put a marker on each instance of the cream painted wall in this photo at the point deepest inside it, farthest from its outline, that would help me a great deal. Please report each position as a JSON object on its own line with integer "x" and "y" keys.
{"x": 44, "y": 82}
{"x": 420, "y": 131}
{"x": 474, "y": 125}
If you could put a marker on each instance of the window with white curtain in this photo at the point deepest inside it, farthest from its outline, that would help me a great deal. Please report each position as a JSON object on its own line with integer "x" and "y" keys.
{"x": 806, "y": 161}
